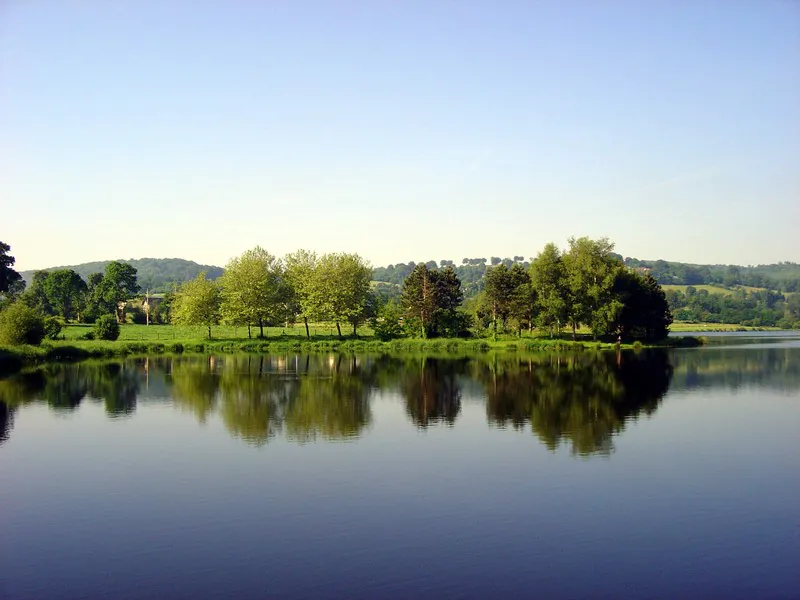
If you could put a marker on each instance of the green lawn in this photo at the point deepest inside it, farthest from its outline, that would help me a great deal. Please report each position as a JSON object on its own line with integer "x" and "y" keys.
{"x": 166, "y": 333}
{"x": 711, "y": 289}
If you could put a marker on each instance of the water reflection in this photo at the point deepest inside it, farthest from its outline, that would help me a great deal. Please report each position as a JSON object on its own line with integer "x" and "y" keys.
{"x": 432, "y": 390}
{"x": 581, "y": 400}
{"x": 775, "y": 368}
{"x": 6, "y": 421}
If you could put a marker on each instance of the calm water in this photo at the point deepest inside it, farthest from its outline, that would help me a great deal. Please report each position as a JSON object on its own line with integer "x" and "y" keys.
{"x": 552, "y": 476}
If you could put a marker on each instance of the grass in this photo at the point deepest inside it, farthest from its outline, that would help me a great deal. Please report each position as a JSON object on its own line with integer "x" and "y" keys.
{"x": 711, "y": 289}
{"x": 168, "y": 333}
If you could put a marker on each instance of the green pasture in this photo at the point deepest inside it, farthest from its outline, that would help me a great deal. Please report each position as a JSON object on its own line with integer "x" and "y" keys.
{"x": 172, "y": 333}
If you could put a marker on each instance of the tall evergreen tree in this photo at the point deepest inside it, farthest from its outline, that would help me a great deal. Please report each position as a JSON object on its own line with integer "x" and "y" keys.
{"x": 430, "y": 298}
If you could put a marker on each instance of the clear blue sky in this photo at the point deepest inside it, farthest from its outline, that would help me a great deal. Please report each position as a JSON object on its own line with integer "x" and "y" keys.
{"x": 399, "y": 130}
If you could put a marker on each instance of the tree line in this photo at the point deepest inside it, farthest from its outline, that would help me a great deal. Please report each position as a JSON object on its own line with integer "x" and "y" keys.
{"x": 587, "y": 284}
{"x": 753, "y": 308}
{"x": 782, "y": 277}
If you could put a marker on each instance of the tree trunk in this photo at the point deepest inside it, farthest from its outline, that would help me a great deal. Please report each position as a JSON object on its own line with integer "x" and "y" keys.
{"x": 355, "y": 333}
{"x": 249, "y": 334}
{"x": 209, "y": 332}
{"x": 261, "y": 327}
{"x": 574, "y": 327}
{"x": 339, "y": 329}
{"x": 305, "y": 320}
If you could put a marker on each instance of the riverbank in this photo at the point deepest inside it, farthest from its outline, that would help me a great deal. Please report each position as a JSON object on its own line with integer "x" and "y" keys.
{"x": 15, "y": 357}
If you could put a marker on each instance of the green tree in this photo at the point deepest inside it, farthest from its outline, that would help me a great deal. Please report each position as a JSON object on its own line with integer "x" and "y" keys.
{"x": 118, "y": 285}
{"x": 503, "y": 292}
{"x": 430, "y": 299}
{"x": 523, "y": 306}
{"x": 10, "y": 281}
{"x": 95, "y": 303}
{"x": 591, "y": 269}
{"x": 36, "y": 295}
{"x": 343, "y": 280}
{"x": 645, "y": 313}
{"x": 549, "y": 284}
{"x": 254, "y": 290}
{"x": 20, "y": 324}
{"x": 303, "y": 301}
{"x": 65, "y": 291}
{"x": 197, "y": 302}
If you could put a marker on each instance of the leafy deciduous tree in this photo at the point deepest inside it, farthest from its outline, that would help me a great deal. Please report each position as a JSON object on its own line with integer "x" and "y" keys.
{"x": 65, "y": 291}
{"x": 253, "y": 289}
{"x": 644, "y": 314}
{"x": 341, "y": 283}
{"x": 10, "y": 281}
{"x": 591, "y": 270}
{"x": 548, "y": 279}
{"x": 197, "y": 302}
{"x": 300, "y": 269}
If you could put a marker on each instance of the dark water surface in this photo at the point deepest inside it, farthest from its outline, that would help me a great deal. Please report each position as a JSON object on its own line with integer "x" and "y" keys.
{"x": 551, "y": 476}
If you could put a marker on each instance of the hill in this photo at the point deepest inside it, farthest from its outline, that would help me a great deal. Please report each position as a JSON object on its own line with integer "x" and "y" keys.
{"x": 782, "y": 277}
{"x": 154, "y": 274}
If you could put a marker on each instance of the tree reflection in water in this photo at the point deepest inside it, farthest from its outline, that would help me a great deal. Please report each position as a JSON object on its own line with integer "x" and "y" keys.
{"x": 582, "y": 399}
{"x": 431, "y": 390}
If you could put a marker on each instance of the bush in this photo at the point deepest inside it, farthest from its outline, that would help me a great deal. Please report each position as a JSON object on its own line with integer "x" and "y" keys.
{"x": 52, "y": 327}
{"x": 106, "y": 328}
{"x": 20, "y": 324}
{"x": 386, "y": 325}
{"x": 135, "y": 315}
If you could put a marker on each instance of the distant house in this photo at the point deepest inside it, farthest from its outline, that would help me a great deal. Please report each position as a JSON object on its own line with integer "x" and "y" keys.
{"x": 151, "y": 301}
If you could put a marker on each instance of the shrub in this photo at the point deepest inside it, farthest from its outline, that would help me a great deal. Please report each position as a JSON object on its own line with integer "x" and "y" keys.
{"x": 386, "y": 325}
{"x": 20, "y": 324}
{"x": 106, "y": 328}
{"x": 135, "y": 315}
{"x": 52, "y": 327}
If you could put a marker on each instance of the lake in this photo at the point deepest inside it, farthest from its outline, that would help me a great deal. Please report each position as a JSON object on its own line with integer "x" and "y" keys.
{"x": 590, "y": 475}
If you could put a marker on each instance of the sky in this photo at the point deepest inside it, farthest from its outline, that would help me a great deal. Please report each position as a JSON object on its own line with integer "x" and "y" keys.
{"x": 402, "y": 131}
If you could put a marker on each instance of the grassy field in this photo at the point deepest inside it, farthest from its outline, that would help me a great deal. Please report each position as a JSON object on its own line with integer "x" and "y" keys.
{"x": 172, "y": 333}
{"x": 711, "y": 289}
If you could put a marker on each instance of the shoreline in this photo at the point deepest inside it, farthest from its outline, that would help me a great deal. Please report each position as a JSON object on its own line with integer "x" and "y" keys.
{"x": 13, "y": 358}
